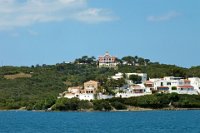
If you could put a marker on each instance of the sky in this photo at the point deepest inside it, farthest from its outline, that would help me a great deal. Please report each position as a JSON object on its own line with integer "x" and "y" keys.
{"x": 52, "y": 31}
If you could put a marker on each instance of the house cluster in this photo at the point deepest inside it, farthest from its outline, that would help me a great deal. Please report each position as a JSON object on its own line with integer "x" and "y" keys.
{"x": 190, "y": 86}
{"x": 172, "y": 84}
{"x": 90, "y": 89}
{"x": 83, "y": 93}
{"x": 131, "y": 89}
{"x": 87, "y": 92}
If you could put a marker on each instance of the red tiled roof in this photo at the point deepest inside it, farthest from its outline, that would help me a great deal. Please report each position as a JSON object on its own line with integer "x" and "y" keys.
{"x": 136, "y": 87}
{"x": 91, "y": 81}
{"x": 148, "y": 82}
{"x": 186, "y": 86}
{"x": 186, "y": 80}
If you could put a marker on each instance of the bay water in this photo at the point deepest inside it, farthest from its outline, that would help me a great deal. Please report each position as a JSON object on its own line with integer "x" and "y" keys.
{"x": 100, "y": 122}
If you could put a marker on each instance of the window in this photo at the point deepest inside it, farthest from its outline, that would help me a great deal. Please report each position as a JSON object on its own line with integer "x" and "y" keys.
{"x": 168, "y": 83}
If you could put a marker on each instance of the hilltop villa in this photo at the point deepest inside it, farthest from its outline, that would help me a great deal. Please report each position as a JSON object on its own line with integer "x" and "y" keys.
{"x": 107, "y": 61}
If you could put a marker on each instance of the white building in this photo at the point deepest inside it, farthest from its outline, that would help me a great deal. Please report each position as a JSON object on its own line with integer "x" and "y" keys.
{"x": 135, "y": 91}
{"x": 86, "y": 96}
{"x": 142, "y": 75}
{"x": 166, "y": 83}
{"x": 173, "y": 84}
{"x": 186, "y": 89}
{"x": 195, "y": 81}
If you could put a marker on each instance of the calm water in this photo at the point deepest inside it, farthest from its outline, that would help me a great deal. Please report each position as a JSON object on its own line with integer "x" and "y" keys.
{"x": 100, "y": 122}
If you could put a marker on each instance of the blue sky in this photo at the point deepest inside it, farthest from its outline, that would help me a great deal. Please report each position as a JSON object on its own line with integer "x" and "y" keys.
{"x": 52, "y": 31}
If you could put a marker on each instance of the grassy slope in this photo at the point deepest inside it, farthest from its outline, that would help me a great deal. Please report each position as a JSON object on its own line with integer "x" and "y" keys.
{"x": 46, "y": 81}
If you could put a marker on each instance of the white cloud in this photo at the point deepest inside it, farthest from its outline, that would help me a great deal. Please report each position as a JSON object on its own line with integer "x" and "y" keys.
{"x": 165, "y": 17}
{"x": 94, "y": 15}
{"x": 27, "y": 12}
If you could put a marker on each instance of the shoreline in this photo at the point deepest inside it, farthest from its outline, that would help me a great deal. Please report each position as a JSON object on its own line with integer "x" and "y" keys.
{"x": 131, "y": 109}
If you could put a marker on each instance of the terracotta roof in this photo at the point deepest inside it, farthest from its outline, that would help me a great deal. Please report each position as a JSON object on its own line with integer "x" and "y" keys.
{"x": 136, "y": 87}
{"x": 186, "y": 80}
{"x": 148, "y": 82}
{"x": 107, "y": 55}
{"x": 186, "y": 86}
{"x": 91, "y": 81}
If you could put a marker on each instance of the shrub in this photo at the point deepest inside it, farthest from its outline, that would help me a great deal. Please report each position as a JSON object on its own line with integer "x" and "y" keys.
{"x": 101, "y": 105}
{"x": 174, "y": 88}
{"x": 118, "y": 105}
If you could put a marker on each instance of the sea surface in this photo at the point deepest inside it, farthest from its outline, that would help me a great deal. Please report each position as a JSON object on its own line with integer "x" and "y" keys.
{"x": 100, "y": 122}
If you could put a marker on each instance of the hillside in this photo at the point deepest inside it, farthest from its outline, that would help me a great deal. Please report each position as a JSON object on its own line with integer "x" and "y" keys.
{"x": 38, "y": 86}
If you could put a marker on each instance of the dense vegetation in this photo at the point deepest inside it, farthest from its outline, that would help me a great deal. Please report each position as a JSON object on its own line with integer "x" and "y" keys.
{"x": 155, "y": 101}
{"x": 39, "y": 90}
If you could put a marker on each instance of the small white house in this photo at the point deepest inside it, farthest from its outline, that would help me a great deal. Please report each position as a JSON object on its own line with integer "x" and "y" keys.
{"x": 166, "y": 82}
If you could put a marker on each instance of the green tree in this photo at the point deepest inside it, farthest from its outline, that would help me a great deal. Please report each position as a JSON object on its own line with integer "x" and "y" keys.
{"x": 119, "y": 106}
{"x": 135, "y": 79}
{"x": 101, "y": 105}
{"x": 129, "y": 59}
